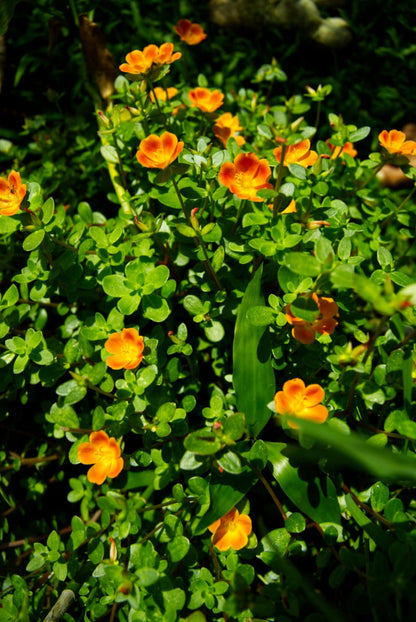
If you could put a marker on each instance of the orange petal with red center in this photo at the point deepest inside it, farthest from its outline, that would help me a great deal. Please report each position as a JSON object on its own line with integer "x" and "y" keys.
{"x": 309, "y": 159}
{"x": 115, "y": 467}
{"x": 246, "y": 163}
{"x": 87, "y": 453}
{"x": 227, "y": 173}
{"x": 294, "y": 388}
{"x": 313, "y": 395}
{"x": 392, "y": 140}
{"x": 169, "y": 143}
{"x": 132, "y": 337}
{"x": 263, "y": 172}
{"x": 282, "y": 403}
{"x": 222, "y": 539}
{"x": 99, "y": 438}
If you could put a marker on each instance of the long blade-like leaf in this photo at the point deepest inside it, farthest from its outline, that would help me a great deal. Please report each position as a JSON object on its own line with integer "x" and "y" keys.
{"x": 253, "y": 375}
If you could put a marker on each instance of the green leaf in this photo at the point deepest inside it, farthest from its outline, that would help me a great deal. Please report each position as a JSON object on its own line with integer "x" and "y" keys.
{"x": 48, "y": 209}
{"x": 305, "y": 308}
{"x": 115, "y": 285}
{"x": 178, "y": 548}
{"x": 261, "y": 316}
{"x": 323, "y": 250}
{"x": 234, "y": 426}
{"x": 185, "y": 230}
{"x": 146, "y": 576}
{"x": 109, "y": 153}
{"x": 359, "y": 134}
{"x": 8, "y": 224}
{"x": 33, "y": 240}
{"x": 350, "y": 450}
{"x": 60, "y": 570}
{"x": 155, "y": 308}
{"x": 297, "y": 171}
{"x": 382, "y": 539}
{"x": 384, "y": 257}
{"x": 167, "y": 196}
{"x": 295, "y": 523}
{"x": 203, "y": 442}
{"x": 310, "y": 490}
{"x": 253, "y": 376}
{"x": 302, "y": 263}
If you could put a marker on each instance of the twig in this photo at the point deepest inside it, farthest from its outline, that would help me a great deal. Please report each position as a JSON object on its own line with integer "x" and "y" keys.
{"x": 61, "y": 605}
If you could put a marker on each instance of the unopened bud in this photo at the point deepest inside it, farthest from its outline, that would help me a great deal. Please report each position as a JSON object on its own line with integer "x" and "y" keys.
{"x": 315, "y": 224}
{"x": 194, "y": 220}
{"x": 104, "y": 118}
{"x": 113, "y": 550}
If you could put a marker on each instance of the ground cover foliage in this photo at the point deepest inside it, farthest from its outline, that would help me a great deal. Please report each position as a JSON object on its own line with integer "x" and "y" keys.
{"x": 237, "y": 316}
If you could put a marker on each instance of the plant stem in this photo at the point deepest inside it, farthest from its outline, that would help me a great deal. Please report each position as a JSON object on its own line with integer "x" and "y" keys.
{"x": 278, "y": 181}
{"x": 198, "y": 240}
{"x": 374, "y": 173}
{"x": 122, "y": 194}
{"x": 265, "y": 484}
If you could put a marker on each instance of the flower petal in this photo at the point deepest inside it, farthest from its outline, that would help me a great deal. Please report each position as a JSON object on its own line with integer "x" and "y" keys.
{"x": 304, "y": 334}
{"x": 87, "y": 453}
{"x": 312, "y": 395}
{"x": 98, "y": 472}
{"x": 115, "y": 467}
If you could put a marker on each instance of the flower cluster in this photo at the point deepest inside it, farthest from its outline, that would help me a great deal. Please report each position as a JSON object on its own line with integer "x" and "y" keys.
{"x": 231, "y": 531}
{"x": 298, "y": 400}
{"x": 140, "y": 62}
{"x": 104, "y": 454}
{"x": 246, "y": 175}
{"x": 325, "y": 324}
{"x": 190, "y": 32}
{"x": 12, "y": 193}
{"x": 126, "y": 349}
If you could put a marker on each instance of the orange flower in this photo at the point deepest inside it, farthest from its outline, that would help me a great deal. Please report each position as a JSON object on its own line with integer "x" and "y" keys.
{"x": 337, "y": 151}
{"x": 140, "y": 62}
{"x": 245, "y": 176}
{"x": 227, "y": 126}
{"x": 296, "y": 400}
{"x": 205, "y": 99}
{"x": 190, "y": 32}
{"x": 395, "y": 141}
{"x": 102, "y": 452}
{"x": 126, "y": 349}
{"x": 163, "y": 94}
{"x": 299, "y": 153}
{"x": 231, "y": 531}
{"x": 159, "y": 151}
{"x": 304, "y": 331}
{"x": 12, "y": 193}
